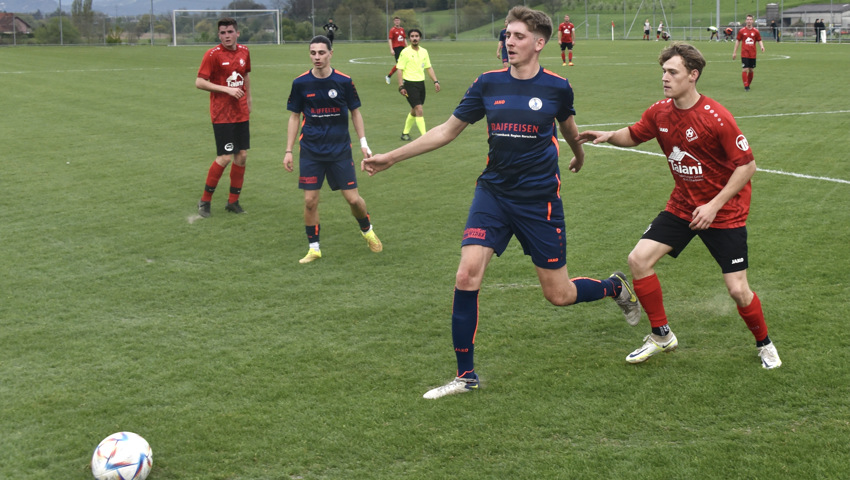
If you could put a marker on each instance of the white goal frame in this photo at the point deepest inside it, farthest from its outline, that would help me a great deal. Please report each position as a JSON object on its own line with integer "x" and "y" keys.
{"x": 174, "y": 20}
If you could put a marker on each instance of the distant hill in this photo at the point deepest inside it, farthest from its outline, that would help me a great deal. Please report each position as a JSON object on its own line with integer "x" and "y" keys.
{"x": 114, "y": 7}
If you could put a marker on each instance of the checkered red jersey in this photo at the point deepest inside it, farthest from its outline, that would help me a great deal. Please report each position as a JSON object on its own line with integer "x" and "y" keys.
{"x": 703, "y": 146}
{"x": 225, "y": 67}
{"x": 748, "y": 38}
{"x": 396, "y": 36}
{"x": 566, "y": 30}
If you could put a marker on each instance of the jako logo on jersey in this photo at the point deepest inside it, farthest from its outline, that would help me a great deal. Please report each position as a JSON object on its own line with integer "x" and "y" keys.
{"x": 742, "y": 143}
{"x": 332, "y": 93}
{"x": 499, "y": 102}
{"x": 235, "y": 80}
{"x": 662, "y": 130}
{"x": 535, "y": 104}
{"x": 691, "y": 134}
{"x": 228, "y": 147}
{"x": 686, "y": 165}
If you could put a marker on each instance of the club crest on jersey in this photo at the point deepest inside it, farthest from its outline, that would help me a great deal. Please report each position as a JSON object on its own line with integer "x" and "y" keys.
{"x": 535, "y": 104}
{"x": 691, "y": 134}
{"x": 332, "y": 93}
{"x": 685, "y": 165}
{"x": 742, "y": 143}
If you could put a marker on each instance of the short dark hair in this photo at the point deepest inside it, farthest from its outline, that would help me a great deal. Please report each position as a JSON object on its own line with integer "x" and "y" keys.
{"x": 226, "y": 22}
{"x": 322, "y": 39}
{"x": 691, "y": 57}
{"x": 414, "y": 30}
{"x": 537, "y": 22}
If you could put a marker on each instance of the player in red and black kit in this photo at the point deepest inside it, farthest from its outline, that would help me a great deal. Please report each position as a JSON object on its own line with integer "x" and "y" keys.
{"x": 224, "y": 73}
{"x": 712, "y": 164}
{"x": 747, "y": 37}
{"x": 397, "y": 41}
{"x": 566, "y": 38}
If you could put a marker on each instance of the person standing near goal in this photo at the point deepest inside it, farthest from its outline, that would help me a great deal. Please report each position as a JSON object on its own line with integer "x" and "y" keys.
{"x": 518, "y": 194}
{"x": 712, "y": 164}
{"x": 224, "y": 73}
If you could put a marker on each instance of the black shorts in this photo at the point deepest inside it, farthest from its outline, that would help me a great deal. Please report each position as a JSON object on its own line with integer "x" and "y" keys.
{"x": 415, "y": 93}
{"x": 231, "y": 137}
{"x": 728, "y": 246}
{"x": 748, "y": 62}
{"x": 397, "y": 52}
{"x": 565, "y": 46}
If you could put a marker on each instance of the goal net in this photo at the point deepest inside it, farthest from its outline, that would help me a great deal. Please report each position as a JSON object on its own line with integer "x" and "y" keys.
{"x": 199, "y": 27}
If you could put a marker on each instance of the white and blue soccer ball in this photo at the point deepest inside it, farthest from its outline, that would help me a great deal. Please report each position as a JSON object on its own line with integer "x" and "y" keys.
{"x": 122, "y": 456}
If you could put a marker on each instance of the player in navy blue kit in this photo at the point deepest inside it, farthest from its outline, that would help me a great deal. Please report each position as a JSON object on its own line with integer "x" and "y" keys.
{"x": 518, "y": 194}
{"x": 325, "y": 97}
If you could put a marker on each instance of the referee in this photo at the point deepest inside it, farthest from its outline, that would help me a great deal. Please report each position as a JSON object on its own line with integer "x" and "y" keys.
{"x": 412, "y": 63}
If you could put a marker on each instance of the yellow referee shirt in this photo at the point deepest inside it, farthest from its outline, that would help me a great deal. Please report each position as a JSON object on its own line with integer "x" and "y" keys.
{"x": 413, "y": 63}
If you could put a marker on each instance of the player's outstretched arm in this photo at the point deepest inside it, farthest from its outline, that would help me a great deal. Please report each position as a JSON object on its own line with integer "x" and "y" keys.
{"x": 433, "y": 139}
{"x": 620, "y": 138}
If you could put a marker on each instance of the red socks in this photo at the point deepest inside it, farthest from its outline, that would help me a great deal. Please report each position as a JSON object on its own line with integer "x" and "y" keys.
{"x": 753, "y": 316}
{"x": 213, "y": 177}
{"x": 237, "y": 177}
{"x": 747, "y": 78}
{"x": 571, "y": 55}
{"x": 648, "y": 291}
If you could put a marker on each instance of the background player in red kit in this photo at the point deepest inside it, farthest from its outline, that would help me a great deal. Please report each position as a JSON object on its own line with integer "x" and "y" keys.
{"x": 747, "y": 37}
{"x": 712, "y": 164}
{"x": 566, "y": 38}
{"x": 397, "y": 41}
{"x": 224, "y": 73}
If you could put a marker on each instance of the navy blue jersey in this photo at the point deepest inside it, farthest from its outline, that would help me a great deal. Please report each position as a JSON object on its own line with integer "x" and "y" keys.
{"x": 522, "y": 124}
{"x": 324, "y": 103}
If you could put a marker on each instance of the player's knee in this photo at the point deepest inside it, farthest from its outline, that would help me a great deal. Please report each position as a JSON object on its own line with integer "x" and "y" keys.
{"x": 741, "y": 293}
{"x": 467, "y": 280}
{"x": 638, "y": 264}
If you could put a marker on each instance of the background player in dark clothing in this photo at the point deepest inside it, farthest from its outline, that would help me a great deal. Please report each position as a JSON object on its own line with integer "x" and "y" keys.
{"x": 330, "y": 30}
{"x": 326, "y": 97}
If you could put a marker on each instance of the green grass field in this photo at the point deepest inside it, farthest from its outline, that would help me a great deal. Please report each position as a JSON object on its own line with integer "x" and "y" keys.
{"x": 236, "y": 362}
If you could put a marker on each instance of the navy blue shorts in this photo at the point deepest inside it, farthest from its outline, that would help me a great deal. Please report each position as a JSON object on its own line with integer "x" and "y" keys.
{"x": 341, "y": 174}
{"x": 538, "y": 226}
{"x": 728, "y": 246}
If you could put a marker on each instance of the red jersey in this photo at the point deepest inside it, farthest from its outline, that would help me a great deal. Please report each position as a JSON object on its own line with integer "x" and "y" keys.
{"x": 225, "y": 67}
{"x": 397, "y": 37}
{"x": 748, "y": 38}
{"x": 703, "y": 146}
{"x": 566, "y": 30}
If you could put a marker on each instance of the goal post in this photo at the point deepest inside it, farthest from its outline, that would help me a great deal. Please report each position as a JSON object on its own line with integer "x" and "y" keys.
{"x": 194, "y": 27}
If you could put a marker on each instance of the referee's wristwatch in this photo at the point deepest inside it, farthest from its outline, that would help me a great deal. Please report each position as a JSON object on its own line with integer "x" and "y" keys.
{"x": 436, "y": 81}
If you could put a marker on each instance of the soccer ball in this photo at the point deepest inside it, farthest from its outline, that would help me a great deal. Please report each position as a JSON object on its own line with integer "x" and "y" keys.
{"x": 122, "y": 456}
